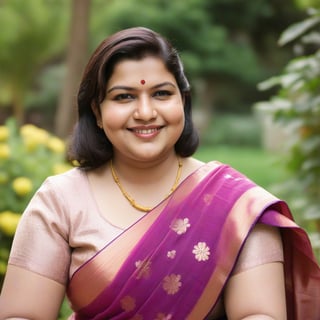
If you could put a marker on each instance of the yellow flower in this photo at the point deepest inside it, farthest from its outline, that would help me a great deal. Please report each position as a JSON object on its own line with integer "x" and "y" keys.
{"x": 56, "y": 145}
{"x": 4, "y": 133}
{"x": 75, "y": 163}
{"x": 33, "y": 136}
{"x": 61, "y": 168}
{"x": 4, "y": 151}
{"x": 28, "y": 130}
{"x": 22, "y": 186}
{"x": 8, "y": 222}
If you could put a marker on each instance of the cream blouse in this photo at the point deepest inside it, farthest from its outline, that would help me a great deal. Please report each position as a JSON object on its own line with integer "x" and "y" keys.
{"x": 62, "y": 228}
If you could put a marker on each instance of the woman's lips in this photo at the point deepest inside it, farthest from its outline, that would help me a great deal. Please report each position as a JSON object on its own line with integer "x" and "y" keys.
{"x": 146, "y": 132}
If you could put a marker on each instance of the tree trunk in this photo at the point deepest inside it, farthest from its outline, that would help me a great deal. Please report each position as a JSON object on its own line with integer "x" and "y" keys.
{"x": 17, "y": 106}
{"x": 76, "y": 57}
{"x": 205, "y": 93}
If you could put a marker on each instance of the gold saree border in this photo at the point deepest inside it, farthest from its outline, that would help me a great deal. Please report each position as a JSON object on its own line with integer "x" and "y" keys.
{"x": 241, "y": 218}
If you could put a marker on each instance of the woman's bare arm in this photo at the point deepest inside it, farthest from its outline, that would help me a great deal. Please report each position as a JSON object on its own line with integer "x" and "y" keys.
{"x": 27, "y": 295}
{"x": 257, "y": 294}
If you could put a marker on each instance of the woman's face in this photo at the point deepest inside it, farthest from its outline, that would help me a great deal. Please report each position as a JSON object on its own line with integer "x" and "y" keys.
{"x": 142, "y": 113}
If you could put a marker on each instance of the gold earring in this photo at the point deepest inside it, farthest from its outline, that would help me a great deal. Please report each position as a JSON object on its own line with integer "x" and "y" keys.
{"x": 99, "y": 124}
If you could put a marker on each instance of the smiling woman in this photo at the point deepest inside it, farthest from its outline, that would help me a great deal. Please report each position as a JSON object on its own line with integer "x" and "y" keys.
{"x": 144, "y": 230}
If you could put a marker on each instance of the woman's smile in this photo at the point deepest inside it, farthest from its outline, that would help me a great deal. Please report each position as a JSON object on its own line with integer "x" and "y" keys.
{"x": 146, "y": 132}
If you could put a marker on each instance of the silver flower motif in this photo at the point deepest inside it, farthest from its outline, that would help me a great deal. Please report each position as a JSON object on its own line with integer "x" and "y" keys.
{"x": 171, "y": 254}
{"x": 128, "y": 303}
{"x": 171, "y": 284}
{"x": 180, "y": 226}
{"x": 162, "y": 316}
{"x": 201, "y": 251}
{"x": 143, "y": 268}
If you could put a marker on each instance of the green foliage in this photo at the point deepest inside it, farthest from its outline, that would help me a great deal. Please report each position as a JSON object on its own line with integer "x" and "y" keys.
{"x": 217, "y": 44}
{"x": 207, "y": 47}
{"x": 233, "y": 130}
{"x": 65, "y": 310}
{"x": 33, "y": 35}
{"x": 30, "y": 36}
{"x": 230, "y": 45}
{"x": 298, "y": 29}
{"x": 297, "y": 107}
{"x": 27, "y": 156}
{"x": 49, "y": 83}
{"x": 258, "y": 164}
{"x": 308, "y": 3}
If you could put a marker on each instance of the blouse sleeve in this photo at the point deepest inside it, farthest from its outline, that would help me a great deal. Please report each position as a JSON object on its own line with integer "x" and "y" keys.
{"x": 41, "y": 240}
{"x": 264, "y": 245}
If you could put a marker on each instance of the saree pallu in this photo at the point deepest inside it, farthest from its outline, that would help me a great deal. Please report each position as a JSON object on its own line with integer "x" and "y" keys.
{"x": 175, "y": 261}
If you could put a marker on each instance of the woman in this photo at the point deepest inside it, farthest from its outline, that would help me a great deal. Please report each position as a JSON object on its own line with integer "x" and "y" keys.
{"x": 142, "y": 230}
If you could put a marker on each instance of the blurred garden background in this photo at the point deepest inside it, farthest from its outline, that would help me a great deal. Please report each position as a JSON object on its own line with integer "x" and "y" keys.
{"x": 254, "y": 68}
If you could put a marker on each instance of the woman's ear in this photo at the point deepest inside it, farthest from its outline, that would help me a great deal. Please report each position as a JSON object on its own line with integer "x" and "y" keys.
{"x": 97, "y": 113}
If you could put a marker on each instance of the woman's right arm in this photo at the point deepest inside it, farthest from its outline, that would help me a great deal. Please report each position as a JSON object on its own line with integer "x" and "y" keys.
{"x": 28, "y": 295}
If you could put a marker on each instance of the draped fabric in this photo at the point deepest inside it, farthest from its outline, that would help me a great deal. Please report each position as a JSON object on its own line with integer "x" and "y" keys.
{"x": 175, "y": 261}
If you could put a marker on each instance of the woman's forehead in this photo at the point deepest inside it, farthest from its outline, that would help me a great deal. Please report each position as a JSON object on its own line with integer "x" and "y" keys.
{"x": 143, "y": 71}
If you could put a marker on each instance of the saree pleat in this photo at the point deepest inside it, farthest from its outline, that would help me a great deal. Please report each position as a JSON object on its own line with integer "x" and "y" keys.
{"x": 176, "y": 260}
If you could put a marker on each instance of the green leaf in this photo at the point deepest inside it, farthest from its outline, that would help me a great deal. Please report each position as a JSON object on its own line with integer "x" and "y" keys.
{"x": 297, "y": 29}
{"x": 269, "y": 83}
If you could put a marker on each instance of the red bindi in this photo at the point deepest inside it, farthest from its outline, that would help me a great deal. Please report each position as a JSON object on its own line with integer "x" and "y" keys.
{"x": 142, "y": 81}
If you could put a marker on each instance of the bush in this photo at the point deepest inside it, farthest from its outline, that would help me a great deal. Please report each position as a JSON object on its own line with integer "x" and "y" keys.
{"x": 239, "y": 130}
{"x": 27, "y": 156}
{"x": 297, "y": 107}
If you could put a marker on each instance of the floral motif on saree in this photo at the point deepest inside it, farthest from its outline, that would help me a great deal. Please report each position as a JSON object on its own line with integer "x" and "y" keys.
{"x": 201, "y": 251}
{"x": 180, "y": 226}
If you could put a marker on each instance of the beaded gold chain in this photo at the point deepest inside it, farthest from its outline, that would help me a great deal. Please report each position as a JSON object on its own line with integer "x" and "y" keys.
{"x": 131, "y": 200}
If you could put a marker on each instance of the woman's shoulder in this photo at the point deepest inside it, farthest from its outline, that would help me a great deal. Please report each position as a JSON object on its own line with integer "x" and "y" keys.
{"x": 72, "y": 178}
{"x": 68, "y": 185}
{"x": 191, "y": 165}
{"x": 66, "y": 193}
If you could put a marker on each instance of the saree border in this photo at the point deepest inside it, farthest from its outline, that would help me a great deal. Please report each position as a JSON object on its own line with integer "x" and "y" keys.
{"x": 238, "y": 224}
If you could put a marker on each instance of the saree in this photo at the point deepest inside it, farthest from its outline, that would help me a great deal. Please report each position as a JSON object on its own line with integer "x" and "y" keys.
{"x": 174, "y": 262}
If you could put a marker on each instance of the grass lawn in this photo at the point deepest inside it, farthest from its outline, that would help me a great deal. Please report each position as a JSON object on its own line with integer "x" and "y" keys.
{"x": 261, "y": 166}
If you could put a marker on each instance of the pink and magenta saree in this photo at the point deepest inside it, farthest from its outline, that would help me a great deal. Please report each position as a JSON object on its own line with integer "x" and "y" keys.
{"x": 174, "y": 262}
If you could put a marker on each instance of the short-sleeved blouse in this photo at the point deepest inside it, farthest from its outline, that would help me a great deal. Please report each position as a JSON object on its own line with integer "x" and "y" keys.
{"x": 62, "y": 228}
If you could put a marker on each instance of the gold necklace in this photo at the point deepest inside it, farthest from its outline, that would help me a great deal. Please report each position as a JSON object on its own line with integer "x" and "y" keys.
{"x": 131, "y": 200}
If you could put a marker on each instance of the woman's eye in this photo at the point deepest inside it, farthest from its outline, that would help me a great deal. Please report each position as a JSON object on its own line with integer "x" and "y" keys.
{"x": 123, "y": 96}
{"x": 162, "y": 93}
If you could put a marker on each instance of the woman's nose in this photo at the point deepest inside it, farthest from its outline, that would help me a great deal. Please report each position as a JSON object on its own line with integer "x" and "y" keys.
{"x": 145, "y": 110}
